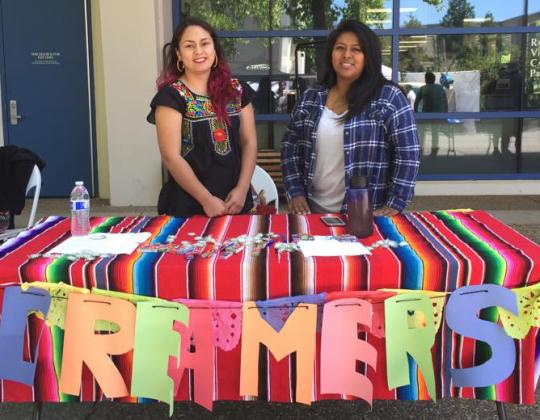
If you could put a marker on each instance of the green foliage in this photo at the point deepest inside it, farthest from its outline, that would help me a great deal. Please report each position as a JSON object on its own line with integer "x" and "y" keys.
{"x": 310, "y": 14}
{"x": 233, "y": 15}
{"x": 450, "y": 52}
{"x": 412, "y": 22}
{"x": 359, "y": 9}
{"x": 227, "y": 15}
{"x": 489, "y": 19}
{"x": 457, "y": 11}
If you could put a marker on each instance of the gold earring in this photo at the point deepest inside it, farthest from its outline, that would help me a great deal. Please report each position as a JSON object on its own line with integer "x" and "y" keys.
{"x": 215, "y": 63}
{"x": 180, "y": 69}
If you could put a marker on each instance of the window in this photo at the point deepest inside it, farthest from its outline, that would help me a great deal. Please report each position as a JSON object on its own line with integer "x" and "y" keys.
{"x": 230, "y": 15}
{"x": 481, "y": 146}
{"x": 460, "y": 13}
{"x": 533, "y": 17}
{"x": 530, "y": 148}
{"x": 269, "y": 134}
{"x": 485, "y": 56}
{"x": 532, "y": 72}
{"x": 484, "y": 71}
{"x": 377, "y": 14}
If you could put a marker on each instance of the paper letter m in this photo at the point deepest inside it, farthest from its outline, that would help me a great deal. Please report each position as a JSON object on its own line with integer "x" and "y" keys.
{"x": 297, "y": 335}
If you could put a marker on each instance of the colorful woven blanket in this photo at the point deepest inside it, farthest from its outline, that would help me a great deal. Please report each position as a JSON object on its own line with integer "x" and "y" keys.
{"x": 445, "y": 250}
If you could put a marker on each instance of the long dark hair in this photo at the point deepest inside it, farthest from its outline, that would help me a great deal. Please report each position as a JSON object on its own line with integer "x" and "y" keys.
{"x": 371, "y": 81}
{"x": 220, "y": 88}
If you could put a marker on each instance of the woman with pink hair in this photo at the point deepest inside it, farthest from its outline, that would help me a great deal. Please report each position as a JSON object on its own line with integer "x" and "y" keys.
{"x": 205, "y": 127}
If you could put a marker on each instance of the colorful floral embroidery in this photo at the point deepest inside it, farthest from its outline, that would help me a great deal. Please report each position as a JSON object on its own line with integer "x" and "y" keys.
{"x": 201, "y": 106}
{"x": 220, "y": 137}
{"x": 237, "y": 105}
{"x": 220, "y": 134}
{"x": 187, "y": 137}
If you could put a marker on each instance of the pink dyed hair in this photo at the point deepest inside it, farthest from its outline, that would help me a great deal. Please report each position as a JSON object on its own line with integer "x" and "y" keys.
{"x": 220, "y": 88}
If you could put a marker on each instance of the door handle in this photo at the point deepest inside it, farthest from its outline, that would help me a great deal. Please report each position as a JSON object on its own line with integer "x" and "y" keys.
{"x": 13, "y": 116}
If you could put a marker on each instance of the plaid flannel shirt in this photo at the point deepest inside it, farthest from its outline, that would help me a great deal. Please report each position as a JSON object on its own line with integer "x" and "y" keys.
{"x": 381, "y": 142}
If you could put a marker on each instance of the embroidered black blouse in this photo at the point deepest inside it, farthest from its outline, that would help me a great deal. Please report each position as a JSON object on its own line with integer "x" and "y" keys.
{"x": 211, "y": 148}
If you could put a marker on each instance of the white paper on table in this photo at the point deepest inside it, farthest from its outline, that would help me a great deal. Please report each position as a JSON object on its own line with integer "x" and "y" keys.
{"x": 102, "y": 243}
{"x": 323, "y": 247}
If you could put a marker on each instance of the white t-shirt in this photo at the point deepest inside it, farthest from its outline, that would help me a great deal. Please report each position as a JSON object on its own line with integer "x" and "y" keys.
{"x": 329, "y": 176}
{"x": 411, "y": 96}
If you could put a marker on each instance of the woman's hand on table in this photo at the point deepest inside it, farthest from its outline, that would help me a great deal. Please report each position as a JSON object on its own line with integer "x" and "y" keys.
{"x": 385, "y": 211}
{"x": 299, "y": 205}
{"x": 214, "y": 206}
{"x": 235, "y": 200}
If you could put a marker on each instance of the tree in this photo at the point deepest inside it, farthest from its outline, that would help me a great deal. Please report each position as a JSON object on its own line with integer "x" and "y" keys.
{"x": 458, "y": 10}
{"x": 414, "y": 59}
{"x": 363, "y": 11}
{"x": 434, "y": 2}
{"x": 454, "y": 45}
{"x": 311, "y": 14}
{"x": 489, "y": 19}
{"x": 232, "y": 15}
{"x": 412, "y": 22}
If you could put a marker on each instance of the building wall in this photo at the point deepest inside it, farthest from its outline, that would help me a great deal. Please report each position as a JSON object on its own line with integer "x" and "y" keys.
{"x": 100, "y": 108}
{"x": 128, "y": 36}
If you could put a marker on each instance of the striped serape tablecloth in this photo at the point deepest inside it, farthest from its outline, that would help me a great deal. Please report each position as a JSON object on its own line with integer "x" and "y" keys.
{"x": 447, "y": 250}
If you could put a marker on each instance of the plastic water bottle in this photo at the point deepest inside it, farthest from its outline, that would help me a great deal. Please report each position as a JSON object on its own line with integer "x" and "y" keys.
{"x": 359, "y": 209}
{"x": 80, "y": 210}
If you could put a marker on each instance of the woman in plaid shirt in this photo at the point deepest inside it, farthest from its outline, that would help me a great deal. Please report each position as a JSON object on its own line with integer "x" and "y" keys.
{"x": 357, "y": 120}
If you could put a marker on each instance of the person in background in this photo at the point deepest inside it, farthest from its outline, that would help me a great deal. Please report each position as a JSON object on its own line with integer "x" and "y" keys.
{"x": 504, "y": 93}
{"x": 358, "y": 120}
{"x": 448, "y": 85}
{"x": 432, "y": 98}
{"x": 409, "y": 92}
{"x": 205, "y": 127}
{"x": 281, "y": 105}
{"x": 447, "y": 82}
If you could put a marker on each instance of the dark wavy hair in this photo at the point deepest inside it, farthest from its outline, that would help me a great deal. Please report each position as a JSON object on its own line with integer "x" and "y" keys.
{"x": 369, "y": 84}
{"x": 220, "y": 89}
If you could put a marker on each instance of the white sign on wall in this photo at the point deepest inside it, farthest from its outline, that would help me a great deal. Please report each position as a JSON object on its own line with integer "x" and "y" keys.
{"x": 45, "y": 57}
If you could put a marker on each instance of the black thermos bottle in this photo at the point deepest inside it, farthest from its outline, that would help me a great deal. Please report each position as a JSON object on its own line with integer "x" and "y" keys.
{"x": 359, "y": 210}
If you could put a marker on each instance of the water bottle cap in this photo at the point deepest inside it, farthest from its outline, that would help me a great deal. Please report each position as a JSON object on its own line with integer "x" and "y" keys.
{"x": 359, "y": 181}
{"x": 79, "y": 183}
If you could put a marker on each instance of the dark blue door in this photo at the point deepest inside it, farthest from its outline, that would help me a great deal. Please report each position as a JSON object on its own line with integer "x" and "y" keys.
{"x": 46, "y": 88}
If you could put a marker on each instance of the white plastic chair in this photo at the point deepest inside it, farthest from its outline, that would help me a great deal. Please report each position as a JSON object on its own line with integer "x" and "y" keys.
{"x": 33, "y": 182}
{"x": 261, "y": 181}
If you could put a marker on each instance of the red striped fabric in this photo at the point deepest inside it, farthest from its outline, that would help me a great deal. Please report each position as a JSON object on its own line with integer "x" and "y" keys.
{"x": 446, "y": 250}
